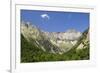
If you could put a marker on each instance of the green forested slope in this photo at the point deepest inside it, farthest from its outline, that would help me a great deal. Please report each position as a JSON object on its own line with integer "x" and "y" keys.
{"x": 31, "y": 53}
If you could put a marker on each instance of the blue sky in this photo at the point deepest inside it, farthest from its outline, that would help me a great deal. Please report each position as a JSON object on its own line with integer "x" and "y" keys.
{"x": 53, "y": 21}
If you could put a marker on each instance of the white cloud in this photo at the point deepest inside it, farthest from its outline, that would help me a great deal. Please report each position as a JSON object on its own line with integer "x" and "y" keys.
{"x": 45, "y": 16}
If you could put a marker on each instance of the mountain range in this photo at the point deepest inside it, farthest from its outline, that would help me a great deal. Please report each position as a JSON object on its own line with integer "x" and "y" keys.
{"x": 54, "y": 42}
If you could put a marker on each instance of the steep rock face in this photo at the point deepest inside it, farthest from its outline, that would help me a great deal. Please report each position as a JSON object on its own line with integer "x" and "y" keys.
{"x": 53, "y": 42}
{"x": 65, "y": 40}
{"x": 38, "y": 38}
{"x": 83, "y": 41}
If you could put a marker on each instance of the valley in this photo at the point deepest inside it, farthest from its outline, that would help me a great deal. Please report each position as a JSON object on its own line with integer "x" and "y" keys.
{"x": 38, "y": 45}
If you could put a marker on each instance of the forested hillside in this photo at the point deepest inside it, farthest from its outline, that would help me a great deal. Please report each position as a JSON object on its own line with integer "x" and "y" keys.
{"x": 31, "y": 53}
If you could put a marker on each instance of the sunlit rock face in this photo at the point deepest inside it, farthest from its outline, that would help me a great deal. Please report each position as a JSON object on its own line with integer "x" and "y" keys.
{"x": 54, "y": 42}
